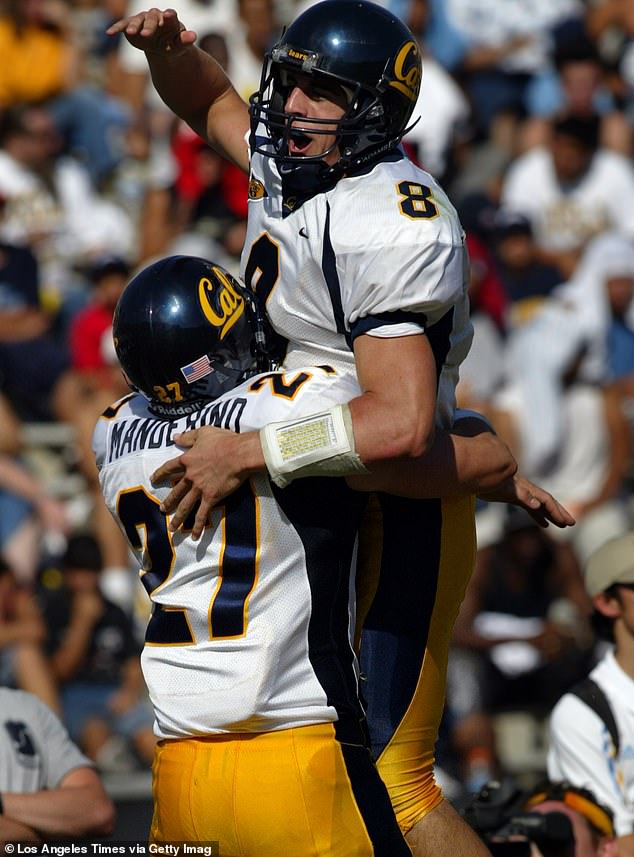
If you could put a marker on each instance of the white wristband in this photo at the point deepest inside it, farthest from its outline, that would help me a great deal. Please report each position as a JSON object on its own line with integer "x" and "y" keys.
{"x": 318, "y": 445}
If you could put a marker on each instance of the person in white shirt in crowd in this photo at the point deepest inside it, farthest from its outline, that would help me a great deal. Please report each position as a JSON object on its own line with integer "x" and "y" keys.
{"x": 441, "y": 117}
{"x": 48, "y": 789}
{"x": 560, "y": 365}
{"x": 502, "y": 53}
{"x": 579, "y": 446}
{"x": 571, "y": 190}
{"x": 51, "y": 204}
{"x": 582, "y": 749}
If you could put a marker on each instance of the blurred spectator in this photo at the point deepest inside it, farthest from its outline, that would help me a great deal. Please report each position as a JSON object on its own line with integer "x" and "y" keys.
{"x": 211, "y": 226}
{"x": 49, "y": 789}
{"x": 142, "y": 185}
{"x": 442, "y": 126}
{"x": 248, "y": 42}
{"x": 50, "y": 203}
{"x": 42, "y": 64}
{"x": 519, "y": 641}
{"x": 581, "y": 90}
{"x": 611, "y": 23}
{"x": 91, "y": 19}
{"x": 94, "y": 366}
{"x": 500, "y": 51}
{"x": 94, "y": 382}
{"x": 95, "y": 658}
{"x": 620, "y": 292}
{"x": 482, "y": 372}
{"x": 579, "y": 446}
{"x": 439, "y": 127}
{"x": 601, "y": 290}
{"x": 32, "y": 357}
{"x": 23, "y": 663}
{"x": 571, "y": 190}
{"x": 30, "y": 518}
{"x": 582, "y": 750}
{"x": 525, "y": 279}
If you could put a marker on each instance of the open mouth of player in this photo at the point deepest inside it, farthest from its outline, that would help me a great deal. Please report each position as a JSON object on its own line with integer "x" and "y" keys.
{"x": 298, "y": 142}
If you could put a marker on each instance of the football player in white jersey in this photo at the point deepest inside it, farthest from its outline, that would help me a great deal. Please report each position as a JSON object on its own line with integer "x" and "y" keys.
{"x": 247, "y": 656}
{"x": 359, "y": 258}
{"x": 356, "y": 253}
{"x": 248, "y": 653}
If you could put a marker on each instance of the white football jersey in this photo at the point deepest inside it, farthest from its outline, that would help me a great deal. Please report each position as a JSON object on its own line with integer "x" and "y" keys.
{"x": 380, "y": 253}
{"x": 565, "y": 218}
{"x": 251, "y": 624}
{"x": 581, "y": 751}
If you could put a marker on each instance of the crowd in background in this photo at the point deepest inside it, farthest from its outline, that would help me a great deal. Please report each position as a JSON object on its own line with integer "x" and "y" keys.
{"x": 527, "y": 119}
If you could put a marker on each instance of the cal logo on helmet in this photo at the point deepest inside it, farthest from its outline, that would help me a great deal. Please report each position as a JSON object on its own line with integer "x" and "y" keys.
{"x": 220, "y": 302}
{"x": 407, "y": 71}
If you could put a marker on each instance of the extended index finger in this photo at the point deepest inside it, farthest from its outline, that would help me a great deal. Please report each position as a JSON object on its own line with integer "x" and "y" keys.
{"x": 134, "y": 24}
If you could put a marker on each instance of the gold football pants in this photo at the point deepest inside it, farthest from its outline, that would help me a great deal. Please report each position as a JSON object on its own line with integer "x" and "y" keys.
{"x": 290, "y": 793}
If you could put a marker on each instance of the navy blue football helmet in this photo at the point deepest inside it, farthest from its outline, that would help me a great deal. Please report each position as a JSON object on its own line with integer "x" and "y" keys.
{"x": 359, "y": 47}
{"x": 186, "y": 331}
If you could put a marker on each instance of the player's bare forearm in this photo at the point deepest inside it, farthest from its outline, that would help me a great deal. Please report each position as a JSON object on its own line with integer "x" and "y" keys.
{"x": 455, "y": 466}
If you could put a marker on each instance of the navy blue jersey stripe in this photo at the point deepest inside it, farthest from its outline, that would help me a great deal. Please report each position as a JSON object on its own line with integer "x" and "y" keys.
{"x": 325, "y": 514}
{"x": 374, "y": 804}
{"x": 238, "y": 566}
{"x": 369, "y": 322}
{"x": 439, "y": 335}
{"x": 329, "y": 268}
{"x": 396, "y": 628}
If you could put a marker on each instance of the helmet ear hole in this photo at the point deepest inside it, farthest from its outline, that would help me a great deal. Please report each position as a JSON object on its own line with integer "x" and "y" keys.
{"x": 184, "y": 333}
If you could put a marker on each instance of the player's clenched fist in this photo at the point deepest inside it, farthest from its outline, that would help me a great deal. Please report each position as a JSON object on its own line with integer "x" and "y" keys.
{"x": 154, "y": 31}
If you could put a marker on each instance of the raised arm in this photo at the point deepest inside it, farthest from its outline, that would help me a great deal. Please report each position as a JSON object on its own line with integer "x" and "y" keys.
{"x": 190, "y": 82}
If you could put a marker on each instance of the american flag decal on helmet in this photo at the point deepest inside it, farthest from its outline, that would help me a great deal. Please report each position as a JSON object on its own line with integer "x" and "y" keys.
{"x": 198, "y": 369}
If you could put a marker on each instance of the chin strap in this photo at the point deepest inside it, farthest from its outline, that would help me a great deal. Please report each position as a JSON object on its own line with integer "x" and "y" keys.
{"x": 302, "y": 181}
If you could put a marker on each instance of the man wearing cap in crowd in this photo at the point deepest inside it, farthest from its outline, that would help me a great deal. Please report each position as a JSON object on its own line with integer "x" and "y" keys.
{"x": 582, "y": 748}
